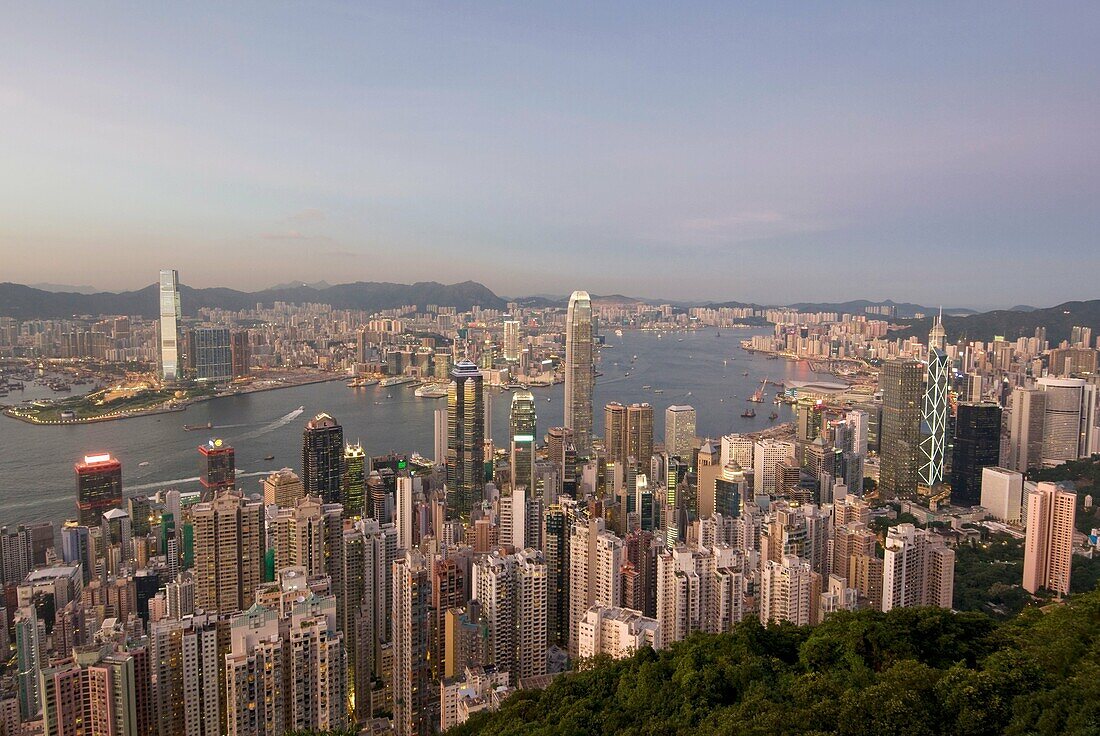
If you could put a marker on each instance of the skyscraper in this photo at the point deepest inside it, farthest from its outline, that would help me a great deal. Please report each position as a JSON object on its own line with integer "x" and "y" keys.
{"x": 355, "y": 466}
{"x": 98, "y": 487}
{"x": 902, "y": 393}
{"x": 933, "y": 426}
{"x": 211, "y": 354}
{"x": 412, "y": 597}
{"x": 168, "y": 326}
{"x": 465, "y": 440}
{"x": 639, "y": 434}
{"x": 522, "y": 423}
{"x": 614, "y": 433}
{"x": 1025, "y": 429}
{"x": 1048, "y": 546}
{"x": 511, "y": 340}
{"x": 679, "y": 431}
{"x": 977, "y": 446}
{"x": 283, "y": 488}
{"x": 229, "y": 551}
{"x": 323, "y": 458}
{"x": 241, "y": 354}
{"x": 217, "y": 467}
{"x": 1068, "y": 418}
{"x": 918, "y": 569}
{"x": 580, "y": 376}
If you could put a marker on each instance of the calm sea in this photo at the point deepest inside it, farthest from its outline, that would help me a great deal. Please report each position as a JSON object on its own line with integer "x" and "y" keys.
{"x": 702, "y": 369}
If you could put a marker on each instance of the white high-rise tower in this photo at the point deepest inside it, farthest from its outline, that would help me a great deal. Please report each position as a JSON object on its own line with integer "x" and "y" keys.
{"x": 169, "y": 324}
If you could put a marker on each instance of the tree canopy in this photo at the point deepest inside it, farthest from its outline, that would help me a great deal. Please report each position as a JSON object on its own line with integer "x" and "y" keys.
{"x": 923, "y": 671}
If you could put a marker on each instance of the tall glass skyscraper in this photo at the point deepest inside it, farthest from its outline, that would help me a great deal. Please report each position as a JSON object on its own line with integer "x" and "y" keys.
{"x": 933, "y": 426}
{"x": 323, "y": 458}
{"x": 465, "y": 440}
{"x": 902, "y": 394}
{"x": 523, "y": 431}
{"x": 580, "y": 376}
{"x": 977, "y": 446}
{"x": 355, "y": 479}
{"x": 169, "y": 325}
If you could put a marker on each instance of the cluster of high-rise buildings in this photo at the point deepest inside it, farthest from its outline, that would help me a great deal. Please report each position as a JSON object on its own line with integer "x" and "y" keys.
{"x": 400, "y": 594}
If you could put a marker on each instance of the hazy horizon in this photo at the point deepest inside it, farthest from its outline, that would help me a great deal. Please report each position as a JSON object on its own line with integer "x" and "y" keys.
{"x": 934, "y": 153}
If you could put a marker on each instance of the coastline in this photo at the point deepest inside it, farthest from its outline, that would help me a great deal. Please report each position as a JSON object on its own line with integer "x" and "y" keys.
{"x": 12, "y": 411}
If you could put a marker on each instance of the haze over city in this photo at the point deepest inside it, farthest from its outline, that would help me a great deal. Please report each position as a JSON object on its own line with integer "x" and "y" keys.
{"x": 763, "y": 153}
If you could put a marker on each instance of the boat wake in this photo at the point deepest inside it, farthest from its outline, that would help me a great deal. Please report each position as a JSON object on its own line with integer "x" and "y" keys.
{"x": 182, "y": 481}
{"x": 280, "y": 422}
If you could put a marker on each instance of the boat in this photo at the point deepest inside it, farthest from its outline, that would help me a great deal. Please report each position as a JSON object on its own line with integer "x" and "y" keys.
{"x": 362, "y": 382}
{"x": 688, "y": 394}
{"x": 618, "y": 333}
{"x": 758, "y": 397}
{"x": 745, "y": 373}
{"x": 269, "y": 457}
{"x": 658, "y": 390}
{"x": 396, "y": 381}
{"x": 431, "y": 391}
{"x": 749, "y": 413}
{"x": 142, "y": 465}
{"x": 547, "y": 398}
{"x": 773, "y": 416}
{"x": 194, "y": 427}
{"x": 646, "y": 388}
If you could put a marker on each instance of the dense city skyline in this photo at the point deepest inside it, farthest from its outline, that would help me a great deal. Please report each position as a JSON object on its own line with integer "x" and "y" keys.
{"x": 669, "y": 152}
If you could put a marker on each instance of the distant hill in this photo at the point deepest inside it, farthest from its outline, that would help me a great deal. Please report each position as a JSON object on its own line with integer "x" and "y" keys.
{"x": 859, "y": 306}
{"x": 25, "y": 302}
{"x": 1011, "y": 324}
{"x": 65, "y": 287}
{"x": 1022, "y": 308}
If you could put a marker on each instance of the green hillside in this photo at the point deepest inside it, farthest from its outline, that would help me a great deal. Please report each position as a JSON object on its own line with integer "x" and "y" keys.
{"x": 910, "y": 671}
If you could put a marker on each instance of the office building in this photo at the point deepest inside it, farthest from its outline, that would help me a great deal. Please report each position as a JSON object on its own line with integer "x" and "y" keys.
{"x": 580, "y": 371}
{"x": 902, "y": 384}
{"x": 614, "y": 432}
{"x": 1048, "y": 546}
{"x": 1027, "y": 413}
{"x": 680, "y": 431}
{"x": 1002, "y": 494}
{"x": 1068, "y": 419}
{"x": 241, "y": 354}
{"x": 217, "y": 467}
{"x": 168, "y": 326}
{"x": 98, "y": 487}
{"x": 934, "y": 409}
{"x": 465, "y": 471}
{"x": 323, "y": 458}
{"x": 210, "y": 353}
{"x": 918, "y": 569}
{"x": 768, "y": 454}
{"x": 229, "y": 552}
{"x": 977, "y": 445}
{"x": 522, "y": 426}
{"x": 355, "y": 480}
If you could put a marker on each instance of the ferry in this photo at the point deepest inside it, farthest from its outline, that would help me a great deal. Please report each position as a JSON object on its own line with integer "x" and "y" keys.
{"x": 431, "y": 391}
{"x": 362, "y": 382}
{"x": 396, "y": 381}
{"x": 658, "y": 390}
{"x": 646, "y": 388}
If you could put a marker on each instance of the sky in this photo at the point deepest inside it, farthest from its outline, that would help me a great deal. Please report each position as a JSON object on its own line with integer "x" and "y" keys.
{"x": 940, "y": 153}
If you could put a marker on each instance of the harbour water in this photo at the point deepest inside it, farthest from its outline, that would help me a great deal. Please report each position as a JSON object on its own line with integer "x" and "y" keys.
{"x": 699, "y": 368}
